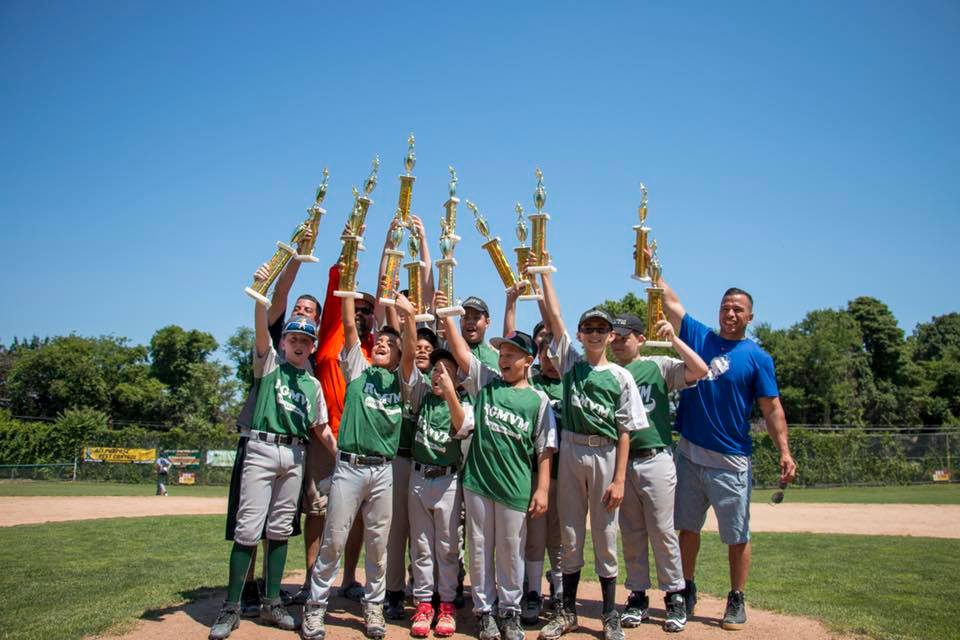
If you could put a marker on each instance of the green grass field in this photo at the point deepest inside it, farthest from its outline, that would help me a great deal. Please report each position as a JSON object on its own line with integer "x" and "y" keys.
{"x": 105, "y": 573}
{"x": 909, "y": 494}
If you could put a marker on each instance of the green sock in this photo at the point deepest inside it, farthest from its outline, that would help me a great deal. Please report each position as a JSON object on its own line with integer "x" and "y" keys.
{"x": 276, "y": 559}
{"x": 240, "y": 558}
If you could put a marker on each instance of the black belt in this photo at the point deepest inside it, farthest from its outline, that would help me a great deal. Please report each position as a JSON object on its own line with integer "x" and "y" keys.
{"x": 363, "y": 461}
{"x": 643, "y": 454}
{"x": 432, "y": 470}
{"x": 273, "y": 438}
{"x": 404, "y": 452}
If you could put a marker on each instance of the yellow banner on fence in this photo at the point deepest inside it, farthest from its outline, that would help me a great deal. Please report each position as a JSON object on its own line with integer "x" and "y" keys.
{"x": 119, "y": 454}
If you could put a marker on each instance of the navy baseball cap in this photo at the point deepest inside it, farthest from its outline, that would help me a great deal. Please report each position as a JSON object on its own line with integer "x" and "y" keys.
{"x": 441, "y": 354}
{"x": 626, "y": 323}
{"x": 537, "y": 328}
{"x": 428, "y": 334}
{"x": 518, "y": 339}
{"x": 597, "y": 313}
{"x": 473, "y": 302}
{"x": 300, "y": 324}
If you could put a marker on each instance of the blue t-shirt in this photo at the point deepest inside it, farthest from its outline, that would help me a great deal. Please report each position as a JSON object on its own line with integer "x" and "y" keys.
{"x": 715, "y": 414}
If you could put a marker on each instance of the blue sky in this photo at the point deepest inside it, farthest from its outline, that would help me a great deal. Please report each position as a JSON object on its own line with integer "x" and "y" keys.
{"x": 151, "y": 153}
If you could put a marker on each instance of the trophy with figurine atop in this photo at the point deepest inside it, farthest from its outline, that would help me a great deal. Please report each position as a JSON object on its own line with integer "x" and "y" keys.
{"x": 654, "y": 301}
{"x": 448, "y": 241}
{"x": 493, "y": 247}
{"x": 352, "y": 239}
{"x": 527, "y": 277}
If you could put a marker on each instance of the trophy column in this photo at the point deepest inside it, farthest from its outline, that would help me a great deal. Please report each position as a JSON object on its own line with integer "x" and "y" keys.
{"x": 314, "y": 213}
{"x": 527, "y": 276}
{"x": 538, "y": 221}
{"x": 654, "y": 306}
{"x": 392, "y": 267}
{"x": 492, "y": 246}
{"x": 641, "y": 266}
{"x": 258, "y": 290}
{"x": 415, "y": 278}
{"x": 448, "y": 241}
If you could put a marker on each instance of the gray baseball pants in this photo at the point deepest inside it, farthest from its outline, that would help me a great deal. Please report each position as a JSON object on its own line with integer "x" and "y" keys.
{"x": 434, "y": 508}
{"x": 269, "y": 491}
{"x": 543, "y": 535}
{"x": 355, "y": 488}
{"x": 493, "y": 528}
{"x": 399, "y": 537}
{"x": 585, "y": 473}
{"x": 647, "y": 514}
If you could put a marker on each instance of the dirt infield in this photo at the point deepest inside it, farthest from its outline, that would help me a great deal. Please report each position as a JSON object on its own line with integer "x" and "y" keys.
{"x": 192, "y": 619}
{"x": 937, "y": 521}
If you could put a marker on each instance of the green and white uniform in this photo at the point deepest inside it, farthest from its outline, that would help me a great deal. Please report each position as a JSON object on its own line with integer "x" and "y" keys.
{"x": 434, "y": 498}
{"x": 543, "y": 533}
{"x": 599, "y": 403}
{"x": 487, "y": 355}
{"x": 368, "y": 439}
{"x": 647, "y": 509}
{"x": 513, "y": 425}
{"x": 288, "y": 403}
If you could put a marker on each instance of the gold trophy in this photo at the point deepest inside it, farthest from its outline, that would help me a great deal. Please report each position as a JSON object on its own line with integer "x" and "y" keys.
{"x": 363, "y": 202}
{"x": 406, "y": 183}
{"x": 314, "y": 214}
{"x": 448, "y": 241}
{"x": 415, "y": 277}
{"x": 353, "y": 242}
{"x": 529, "y": 291}
{"x": 492, "y": 245}
{"x": 392, "y": 267}
{"x": 258, "y": 290}
{"x": 539, "y": 222}
{"x": 641, "y": 266}
{"x": 654, "y": 303}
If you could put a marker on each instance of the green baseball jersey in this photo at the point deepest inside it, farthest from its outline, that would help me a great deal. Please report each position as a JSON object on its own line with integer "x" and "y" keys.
{"x": 433, "y": 439}
{"x": 372, "y": 408}
{"x": 600, "y": 400}
{"x": 655, "y": 377}
{"x": 512, "y": 426}
{"x": 289, "y": 400}
{"x": 487, "y": 355}
{"x": 553, "y": 387}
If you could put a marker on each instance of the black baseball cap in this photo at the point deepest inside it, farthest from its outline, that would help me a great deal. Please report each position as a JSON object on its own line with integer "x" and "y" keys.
{"x": 626, "y": 323}
{"x": 473, "y": 302}
{"x": 597, "y": 313}
{"x": 518, "y": 339}
{"x": 428, "y": 334}
{"x": 537, "y": 328}
{"x": 440, "y": 354}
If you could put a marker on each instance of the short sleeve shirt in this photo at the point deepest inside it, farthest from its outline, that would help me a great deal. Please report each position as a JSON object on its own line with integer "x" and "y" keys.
{"x": 655, "y": 377}
{"x": 487, "y": 355}
{"x": 433, "y": 439}
{"x": 512, "y": 426}
{"x": 372, "y": 408}
{"x": 600, "y": 400}
{"x": 289, "y": 400}
{"x": 553, "y": 387}
{"x": 715, "y": 414}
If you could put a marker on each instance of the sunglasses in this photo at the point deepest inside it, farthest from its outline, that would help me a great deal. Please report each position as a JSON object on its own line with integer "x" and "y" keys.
{"x": 778, "y": 496}
{"x": 600, "y": 330}
{"x": 364, "y": 310}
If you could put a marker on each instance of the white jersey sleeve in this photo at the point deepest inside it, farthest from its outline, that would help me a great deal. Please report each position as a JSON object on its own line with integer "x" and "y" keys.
{"x": 354, "y": 363}
{"x": 478, "y": 376}
{"x": 469, "y": 421}
{"x": 415, "y": 389}
{"x": 563, "y": 354}
{"x": 545, "y": 437}
{"x": 631, "y": 414}
{"x": 267, "y": 363}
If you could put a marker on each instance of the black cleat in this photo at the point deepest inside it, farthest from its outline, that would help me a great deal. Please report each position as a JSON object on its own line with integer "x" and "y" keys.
{"x": 736, "y": 614}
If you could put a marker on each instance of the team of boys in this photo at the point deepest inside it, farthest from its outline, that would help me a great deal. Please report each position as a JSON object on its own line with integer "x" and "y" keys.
{"x": 404, "y": 438}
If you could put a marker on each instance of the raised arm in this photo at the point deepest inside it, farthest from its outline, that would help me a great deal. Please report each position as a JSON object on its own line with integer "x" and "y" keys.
{"x": 776, "y": 421}
{"x": 458, "y": 414}
{"x": 455, "y": 342}
{"x": 349, "y": 318}
{"x": 510, "y": 310}
{"x": 694, "y": 367}
{"x": 551, "y": 307}
{"x": 278, "y": 303}
{"x": 409, "y": 332}
{"x": 260, "y": 323}
{"x": 428, "y": 283}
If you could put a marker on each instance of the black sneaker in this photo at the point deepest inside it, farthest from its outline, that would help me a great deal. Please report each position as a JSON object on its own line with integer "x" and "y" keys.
{"x": 393, "y": 606}
{"x": 487, "y": 629}
{"x": 637, "y": 609}
{"x": 689, "y": 594}
{"x": 250, "y": 600}
{"x": 676, "y": 612}
{"x": 510, "y": 628}
{"x": 612, "y": 630}
{"x": 736, "y": 614}
{"x": 530, "y": 611}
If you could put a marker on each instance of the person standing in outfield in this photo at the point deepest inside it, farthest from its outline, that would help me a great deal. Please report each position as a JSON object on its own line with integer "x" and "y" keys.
{"x": 601, "y": 408}
{"x": 513, "y": 425}
{"x": 434, "y": 489}
{"x": 647, "y": 509}
{"x": 713, "y": 454}
{"x": 163, "y": 469}
{"x": 368, "y": 440}
{"x": 289, "y": 402}
{"x": 473, "y": 326}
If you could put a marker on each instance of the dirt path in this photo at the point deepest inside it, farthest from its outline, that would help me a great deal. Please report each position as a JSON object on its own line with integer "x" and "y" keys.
{"x": 938, "y": 521}
{"x": 193, "y": 618}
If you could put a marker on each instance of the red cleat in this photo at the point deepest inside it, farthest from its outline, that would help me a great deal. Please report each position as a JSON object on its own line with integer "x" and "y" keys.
{"x": 447, "y": 621}
{"x": 421, "y": 621}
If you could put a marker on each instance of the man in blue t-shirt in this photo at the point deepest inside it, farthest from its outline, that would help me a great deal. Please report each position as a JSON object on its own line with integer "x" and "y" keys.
{"x": 713, "y": 454}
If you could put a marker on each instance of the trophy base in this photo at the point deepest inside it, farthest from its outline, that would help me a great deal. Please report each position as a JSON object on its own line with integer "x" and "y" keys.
{"x": 285, "y": 247}
{"x": 658, "y": 344}
{"x": 446, "y": 312}
{"x": 348, "y": 294}
{"x": 548, "y": 268}
{"x": 532, "y": 296}
{"x": 390, "y": 302}
{"x": 640, "y": 278}
{"x": 261, "y": 299}
{"x": 423, "y": 317}
{"x": 306, "y": 258}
